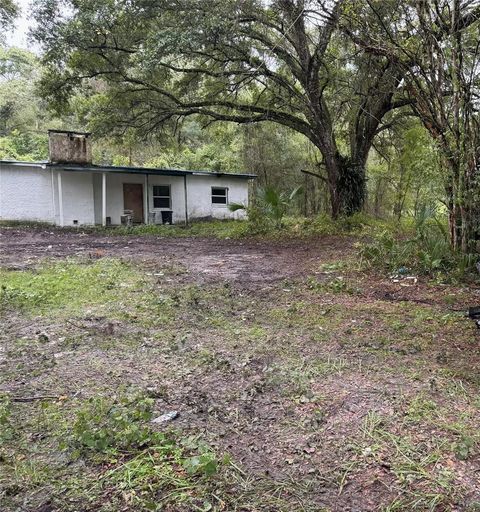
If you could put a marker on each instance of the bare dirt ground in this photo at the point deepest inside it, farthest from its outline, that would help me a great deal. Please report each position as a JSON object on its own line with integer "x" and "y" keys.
{"x": 246, "y": 262}
{"x": 331, "y": 389}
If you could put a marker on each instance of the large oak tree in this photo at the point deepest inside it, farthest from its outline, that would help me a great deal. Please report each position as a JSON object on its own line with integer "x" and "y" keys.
{"x": 284, "y": 61}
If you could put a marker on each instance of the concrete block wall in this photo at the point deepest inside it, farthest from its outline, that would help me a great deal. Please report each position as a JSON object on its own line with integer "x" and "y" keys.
{"x": 30, "y": 193}
{"x": 26, "y": 193}
{"x": 200, "y": 196}
{"x": 78, "y": 199}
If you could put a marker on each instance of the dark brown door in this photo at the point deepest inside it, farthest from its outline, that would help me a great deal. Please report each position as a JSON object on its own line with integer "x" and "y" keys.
{"x": 133, "y": 200}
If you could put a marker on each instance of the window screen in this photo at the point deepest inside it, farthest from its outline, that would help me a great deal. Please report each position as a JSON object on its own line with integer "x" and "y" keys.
{"x": 161, "y": 196}
{"x": 219, "y": 195}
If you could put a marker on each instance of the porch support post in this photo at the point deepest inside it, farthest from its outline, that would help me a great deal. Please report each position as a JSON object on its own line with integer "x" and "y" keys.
{"x": 186, "y": 198}
{"x": 60, "y": 198}
{"x": 104, "y": 199}
{"x": 146, "y": 209}
{"x": 54, "y": 210}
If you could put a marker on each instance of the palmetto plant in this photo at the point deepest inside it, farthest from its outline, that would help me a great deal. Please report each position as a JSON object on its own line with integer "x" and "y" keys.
{"x": 269, "y": 203}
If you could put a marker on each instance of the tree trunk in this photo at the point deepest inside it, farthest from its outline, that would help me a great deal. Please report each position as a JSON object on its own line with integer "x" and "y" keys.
{"x": 348, "y": 184}
{"x": 463, "y": 218}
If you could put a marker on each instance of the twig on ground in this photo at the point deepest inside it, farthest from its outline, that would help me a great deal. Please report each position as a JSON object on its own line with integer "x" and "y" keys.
{"x": 33, "y": 398}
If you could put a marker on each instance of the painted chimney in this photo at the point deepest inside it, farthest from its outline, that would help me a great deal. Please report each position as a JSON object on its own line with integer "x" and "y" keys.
{"x": 67, "y": 147}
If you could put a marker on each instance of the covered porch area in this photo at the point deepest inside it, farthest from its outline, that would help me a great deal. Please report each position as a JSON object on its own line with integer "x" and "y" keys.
{"x": 123, "y": 196}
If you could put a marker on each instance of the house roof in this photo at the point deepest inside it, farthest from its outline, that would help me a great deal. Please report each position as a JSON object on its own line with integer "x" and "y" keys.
{"x": 126, "y": 169}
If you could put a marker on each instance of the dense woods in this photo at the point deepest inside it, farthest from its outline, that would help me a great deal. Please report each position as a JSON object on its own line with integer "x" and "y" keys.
{"x": 376, "y": 101}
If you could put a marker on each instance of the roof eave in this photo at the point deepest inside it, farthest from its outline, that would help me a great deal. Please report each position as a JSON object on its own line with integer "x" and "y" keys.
{"x": 127, "y": 170}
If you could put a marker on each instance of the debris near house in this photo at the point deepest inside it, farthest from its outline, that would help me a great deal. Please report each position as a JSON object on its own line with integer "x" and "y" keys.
{"x": 474, "y": 314}
{"x": 402, "y": 277}
{"x": 166, "y": 418}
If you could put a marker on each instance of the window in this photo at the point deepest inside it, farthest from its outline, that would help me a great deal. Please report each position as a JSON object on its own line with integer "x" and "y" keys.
{"x": 161, "y": 196}
{"x": 219, "y": 195}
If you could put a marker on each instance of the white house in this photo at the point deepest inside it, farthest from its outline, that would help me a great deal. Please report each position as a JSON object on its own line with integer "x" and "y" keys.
{"x": 69, "y": 190}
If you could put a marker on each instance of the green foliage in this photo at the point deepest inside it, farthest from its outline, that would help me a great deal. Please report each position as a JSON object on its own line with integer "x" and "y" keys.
{"x": 6, "y": 428}
{"x": 215, "y": 228}
{"x": 66, "y": 286}
{"x": 407, "y": 175}
{"x": 464, "y": 447}
{"x": 8, "y": 12}
{"x": 24, "y": 146}
{"x": 427, "y": 252}
{"x": 120, "y": 425}
{"x": 199, "y": 459}
{"x": 23, "y": 115}
{"x": 171, "y": 472}
{"x": 102, "y": 425}
{"x": 207, "y": 156}
{"x": 269, "y": 207}
{"x": 414, "y": 254}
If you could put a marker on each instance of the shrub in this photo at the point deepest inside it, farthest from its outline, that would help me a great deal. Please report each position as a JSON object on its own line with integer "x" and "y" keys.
{"x": 428, "y": 251}
{"x": 268, "y": 209}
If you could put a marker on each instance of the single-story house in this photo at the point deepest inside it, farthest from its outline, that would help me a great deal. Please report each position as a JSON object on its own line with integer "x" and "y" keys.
{"x": 69, "y": 190}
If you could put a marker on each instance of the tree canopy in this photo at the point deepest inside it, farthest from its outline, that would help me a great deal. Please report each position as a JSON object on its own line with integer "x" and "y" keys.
{"x": 8, "y": 12}
{"x": 286, "y": 62}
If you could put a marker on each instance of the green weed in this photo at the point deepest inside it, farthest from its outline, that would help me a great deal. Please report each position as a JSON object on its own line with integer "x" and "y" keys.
{"x": 103, "y": 425}
{"x": 68, "y": 285}
{"x": 428, "y": 251}
{"x": 422, "y": 478}
{"x": 6, "y": 427}
{"x": 297, "y": 379}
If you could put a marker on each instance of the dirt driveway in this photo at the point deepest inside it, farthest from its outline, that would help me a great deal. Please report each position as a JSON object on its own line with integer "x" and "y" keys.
{"x": 246, "y": 262}
{"x": 331, "y": 389}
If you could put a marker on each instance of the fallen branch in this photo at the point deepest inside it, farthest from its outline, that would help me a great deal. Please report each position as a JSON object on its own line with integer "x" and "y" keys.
{"x": 33, "y": 398}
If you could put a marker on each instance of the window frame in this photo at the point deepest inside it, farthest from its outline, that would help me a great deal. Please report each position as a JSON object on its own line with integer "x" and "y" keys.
{"x": 212, "y": 195}
{"x": 159, "y": 208}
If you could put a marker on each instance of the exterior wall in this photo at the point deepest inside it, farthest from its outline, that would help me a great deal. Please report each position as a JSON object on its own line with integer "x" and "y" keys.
{"x": 177, "y": 196}
{"x": 115, "y": 204}
{"x": 77, "y": 193}
{"x": 31, "y": 192}
{"x": 114, "y": 194}
{"x": 26, "y": 193}
{"x": 200, "y": 196}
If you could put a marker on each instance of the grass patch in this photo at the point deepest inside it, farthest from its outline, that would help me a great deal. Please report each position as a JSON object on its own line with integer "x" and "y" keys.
{"x": 291, "y": 227}
{"x": 423, "y": 478}
{"x": 135, "y": 465}
{"x": 278, "y": 375}
{"x": 68, "y": 286}
{"x": 209, "y": 229}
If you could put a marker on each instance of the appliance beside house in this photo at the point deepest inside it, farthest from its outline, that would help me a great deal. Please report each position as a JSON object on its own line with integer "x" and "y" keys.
{"x": 70, "y": 190}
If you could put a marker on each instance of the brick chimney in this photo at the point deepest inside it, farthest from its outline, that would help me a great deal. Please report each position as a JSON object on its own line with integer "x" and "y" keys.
{"x": 67, "y": 147}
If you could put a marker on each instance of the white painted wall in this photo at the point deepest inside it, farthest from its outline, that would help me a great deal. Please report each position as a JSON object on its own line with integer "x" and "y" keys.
{"x": 200, "y": 196}
{"x": 199, "y": 192}
{"x": 26, "y": 193}
{"x": 77, "y": 192}
{"x": 31, "y": 193}
{"x": 177, "y": 193}
{"x": 115, "y": 204}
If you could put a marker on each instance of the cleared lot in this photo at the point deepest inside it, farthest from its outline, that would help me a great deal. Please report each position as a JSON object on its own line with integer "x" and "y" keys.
{"x": 301, "y": 383}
